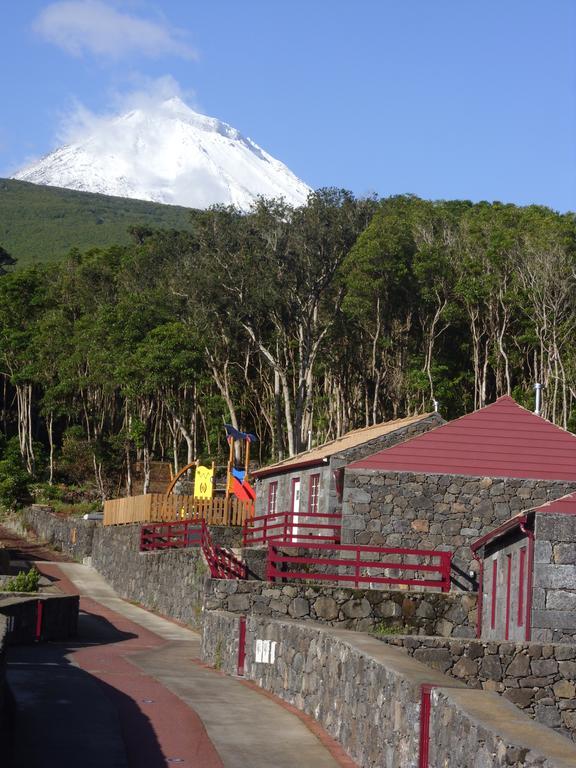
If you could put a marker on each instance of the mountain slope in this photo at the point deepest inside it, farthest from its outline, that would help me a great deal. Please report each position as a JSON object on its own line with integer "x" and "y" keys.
{"x": 168, "y": 154}
{"x": 39, "y": 223}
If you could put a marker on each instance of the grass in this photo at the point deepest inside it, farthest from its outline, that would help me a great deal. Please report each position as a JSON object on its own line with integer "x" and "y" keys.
{"x": 42, "y": 224}
{"x": 74, "y": 501}
{"x": 383, "y": 630}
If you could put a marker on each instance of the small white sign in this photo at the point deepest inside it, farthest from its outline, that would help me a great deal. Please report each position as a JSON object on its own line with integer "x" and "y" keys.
{"x": 265, "y": 651}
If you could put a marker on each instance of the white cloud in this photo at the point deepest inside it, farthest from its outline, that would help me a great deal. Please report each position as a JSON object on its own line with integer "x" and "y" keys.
{"x": 91, "y": 26}
{"x": 79, "y": 122}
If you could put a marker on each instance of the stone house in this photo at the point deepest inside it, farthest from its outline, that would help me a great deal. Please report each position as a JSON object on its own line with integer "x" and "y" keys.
{"x": 528, "y": 575}
{"x": 311, "y": 482}
{"x": 446, "y": 488}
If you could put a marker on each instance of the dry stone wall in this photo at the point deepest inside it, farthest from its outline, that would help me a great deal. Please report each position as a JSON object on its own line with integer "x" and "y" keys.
{"x": 358, "y": 609}
{"x": 370, "y": 700}
{"x": 403, "y": 509}
{"x": 554, "y": 592}
{"x": 72, "y": 535}
{"x": 169, "y": 582}
{"x": 539, "y": 679}
{"x": 3, "y": 707}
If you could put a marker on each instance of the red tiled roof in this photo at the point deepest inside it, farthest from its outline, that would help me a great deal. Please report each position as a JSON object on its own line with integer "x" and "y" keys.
{"x": 565, "y": 505}
{"x": 501, "y": 440}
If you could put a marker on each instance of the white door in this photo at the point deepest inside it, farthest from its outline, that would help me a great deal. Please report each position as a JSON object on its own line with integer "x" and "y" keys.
{"x": 295, "y": 505}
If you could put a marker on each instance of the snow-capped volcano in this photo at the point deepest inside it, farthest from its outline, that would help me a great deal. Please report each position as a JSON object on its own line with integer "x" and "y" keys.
{"x": 168, "y": 154}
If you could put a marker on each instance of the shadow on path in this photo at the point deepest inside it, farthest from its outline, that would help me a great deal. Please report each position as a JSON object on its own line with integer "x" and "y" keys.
{"x": 66, "y": 716}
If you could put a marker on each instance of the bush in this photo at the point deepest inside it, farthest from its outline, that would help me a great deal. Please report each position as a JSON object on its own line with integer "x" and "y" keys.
{"x": 24, "y": 582}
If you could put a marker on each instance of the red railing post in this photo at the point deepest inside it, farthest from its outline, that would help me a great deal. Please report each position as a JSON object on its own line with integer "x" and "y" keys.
{"x": 424, "y": 725}
{"x": 446, "y": 567}
{"x": 39, "y": 611}
{"x": 357, "y": 569}
{"x": 241, "y": 645}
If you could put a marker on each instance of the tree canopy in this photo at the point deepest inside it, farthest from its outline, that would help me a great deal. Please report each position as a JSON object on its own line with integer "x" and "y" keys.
{"x": 295, "y": 324}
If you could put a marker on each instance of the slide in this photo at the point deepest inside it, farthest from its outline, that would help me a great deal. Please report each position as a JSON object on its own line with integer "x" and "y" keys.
{"x": 239, "y": 490}
{"x": 249, "y": 490}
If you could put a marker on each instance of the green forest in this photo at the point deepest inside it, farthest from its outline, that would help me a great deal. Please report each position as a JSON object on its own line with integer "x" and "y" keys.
{"x": 295, "y": 324}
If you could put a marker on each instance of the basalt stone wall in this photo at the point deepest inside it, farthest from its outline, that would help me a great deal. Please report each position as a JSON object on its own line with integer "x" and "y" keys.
{"x": 3, "y": 636}
{"x": 448, "y": 615}
{"x": 370, "y": 700}
{"x": 554, "y": 590}
{"x": 220, "y": 642}
{"x": 404, "y": 509}
{"x": 72, "y": 535}
{"x": 59, "y": 619}
{"x": 169, "y": 582}
{"x": 539, "y": 679}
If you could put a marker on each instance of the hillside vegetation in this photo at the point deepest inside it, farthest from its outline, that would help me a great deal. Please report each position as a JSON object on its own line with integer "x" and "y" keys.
{"x": 41, "y": 224}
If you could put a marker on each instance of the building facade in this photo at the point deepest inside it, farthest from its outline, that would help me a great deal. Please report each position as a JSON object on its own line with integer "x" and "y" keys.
{"x": 448, "y": 487}
{"x": 528, "y": 576}
{"x": 311, "y": 483}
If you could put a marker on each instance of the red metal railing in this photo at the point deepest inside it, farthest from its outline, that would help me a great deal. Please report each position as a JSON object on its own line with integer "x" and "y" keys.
{"x": 222, "y": 563}
{"x": 185, "y": 533}
{"x": 286, "y": 526}
{"x": 349, "y": 564}
{"x": 172, "y": 535}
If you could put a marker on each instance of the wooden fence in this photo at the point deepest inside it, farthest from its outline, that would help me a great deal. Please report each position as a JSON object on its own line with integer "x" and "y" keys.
{"x": 157, "y": 507}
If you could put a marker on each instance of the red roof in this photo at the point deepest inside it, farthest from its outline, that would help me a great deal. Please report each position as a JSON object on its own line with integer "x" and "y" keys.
{"x": 501, "y": 440}
{"x": 565, "y": 505}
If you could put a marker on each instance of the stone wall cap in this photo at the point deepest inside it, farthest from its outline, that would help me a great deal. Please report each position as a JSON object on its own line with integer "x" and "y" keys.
{"x": 395, "y": 660}
{"x": 500, "y": 716}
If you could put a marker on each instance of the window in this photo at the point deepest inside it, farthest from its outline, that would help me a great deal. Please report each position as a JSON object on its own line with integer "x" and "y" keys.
{"x": 272, "y": 494}
{"x": 313, "y": 493}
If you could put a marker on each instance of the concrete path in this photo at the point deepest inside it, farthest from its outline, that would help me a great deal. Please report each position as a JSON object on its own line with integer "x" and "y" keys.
{"x": 132, "y": 693}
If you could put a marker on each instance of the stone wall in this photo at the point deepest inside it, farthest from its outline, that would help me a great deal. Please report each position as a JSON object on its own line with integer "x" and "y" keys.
{"x": 169, "y": 582}
{"x": 220, "y": 642}
{"x": 59, "y": 616}
{"x": 403, "y": 509}
{"x": 554, "y": 591}
{"x": 539, "y": 679}
{"x": 370, "y": 700}
{"x": 72, "y": 535}
{"x": 448, "y": 615}
{"x": 3, "y": 686}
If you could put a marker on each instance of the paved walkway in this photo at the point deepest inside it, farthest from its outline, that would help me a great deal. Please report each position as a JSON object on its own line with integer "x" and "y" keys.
{"x": 130, "y": 692}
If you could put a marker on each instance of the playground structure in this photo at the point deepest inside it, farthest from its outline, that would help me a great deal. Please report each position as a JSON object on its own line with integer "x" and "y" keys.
{"x": 231, "y": 503}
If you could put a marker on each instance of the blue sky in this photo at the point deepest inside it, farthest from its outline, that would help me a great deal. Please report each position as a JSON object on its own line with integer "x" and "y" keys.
{"x": 440, "y": 98}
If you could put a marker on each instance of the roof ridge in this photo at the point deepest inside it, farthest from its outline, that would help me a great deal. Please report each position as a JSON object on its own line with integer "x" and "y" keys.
{"x": 501, "y": 439}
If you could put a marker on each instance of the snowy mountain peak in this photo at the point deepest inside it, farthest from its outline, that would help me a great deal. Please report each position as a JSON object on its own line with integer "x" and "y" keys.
{"x": 168, "y": 153}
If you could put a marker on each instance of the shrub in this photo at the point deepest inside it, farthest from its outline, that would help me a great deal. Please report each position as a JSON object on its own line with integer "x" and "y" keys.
{"x": 24, "y": 582}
